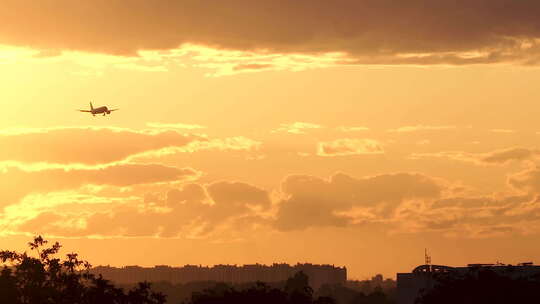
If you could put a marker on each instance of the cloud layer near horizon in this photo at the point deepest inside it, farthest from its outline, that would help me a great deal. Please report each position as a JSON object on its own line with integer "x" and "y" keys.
{"x": 90, "y": 182}
{"x": 370, "y": 31}
{"x": 395, "y": 203}
{"x": 192, "y": 211}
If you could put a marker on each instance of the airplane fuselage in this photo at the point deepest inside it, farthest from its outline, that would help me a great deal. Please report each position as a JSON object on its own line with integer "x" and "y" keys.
{"x": 101, "y": 110}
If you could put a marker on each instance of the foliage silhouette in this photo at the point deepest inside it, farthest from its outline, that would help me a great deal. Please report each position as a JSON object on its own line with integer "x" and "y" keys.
{"x": 376, "y": 297}
{"x": 296, "y": 291}
{"x": 481, "y": 286}
{"x": 326, "y": 294}
{"x": 345, "y": 295}
{"x": 46, "y": 279}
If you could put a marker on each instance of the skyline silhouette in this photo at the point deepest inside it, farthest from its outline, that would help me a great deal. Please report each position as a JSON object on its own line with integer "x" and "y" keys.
{"x": 42, "y": 276}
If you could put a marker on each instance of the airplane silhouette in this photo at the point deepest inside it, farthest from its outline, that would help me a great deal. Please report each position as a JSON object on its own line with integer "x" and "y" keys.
{"x": 101, "y": 110}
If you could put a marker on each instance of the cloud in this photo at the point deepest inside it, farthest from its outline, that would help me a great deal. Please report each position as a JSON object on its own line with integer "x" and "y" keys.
{"x": 527, "y": 180}
{"x": 236, "y": 143}
{"x": 497, "y": 157}
{"x": 90, "y": 146}
{"x": 227, "y": 210}
{"x": 311, "y": 201}
{"x": 22, "y": 183}
{"x": 217, "y": 209}
{"x": 408, "y": 203}
{"x": 82, "y": 145}
{"x": 192, "y": 211}
{"x": 352, "y": 129}
{"x": 471, "y": 217}
{"x": 346, "y": 147}
{"x": 297, "y": 127}
{"x": 48, "y": 53}
{"x": 506, "y": 155}
{"x": 88, "y": 64}
{"x": 234, "y": 194}
{"x": 252, "y": 66}
{"x": 508, "y": 131}
{"x": 230, "y": 62}
{"x": 417, "y": 128}
{"x": 370, "y": 31}
{"x": 174, "y": 126}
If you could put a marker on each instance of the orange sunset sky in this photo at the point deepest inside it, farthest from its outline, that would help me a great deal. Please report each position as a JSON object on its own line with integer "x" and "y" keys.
{"x": 354, "y": 133}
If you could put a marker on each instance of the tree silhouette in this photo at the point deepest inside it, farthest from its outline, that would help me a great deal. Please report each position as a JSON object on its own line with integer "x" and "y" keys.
{"x": 376, "y": 297}
{"x": 295, "y": 291}
{"x": 45, "y": 279}
{"x": 298, "y": 289}
{"x": 224, "y": 294}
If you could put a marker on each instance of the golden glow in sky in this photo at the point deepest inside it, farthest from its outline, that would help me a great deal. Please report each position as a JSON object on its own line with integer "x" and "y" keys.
{"x": 318, "y": 138}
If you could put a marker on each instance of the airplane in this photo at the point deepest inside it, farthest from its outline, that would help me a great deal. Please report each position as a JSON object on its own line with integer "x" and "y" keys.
{"x": 101, "y": 110}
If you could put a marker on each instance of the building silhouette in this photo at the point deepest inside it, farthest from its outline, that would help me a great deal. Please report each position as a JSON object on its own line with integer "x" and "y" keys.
{"x": 422, "y": 278}
{"x": 318, "y": 274}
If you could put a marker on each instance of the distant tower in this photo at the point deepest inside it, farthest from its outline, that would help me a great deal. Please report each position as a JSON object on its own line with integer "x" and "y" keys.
{"x": 427, "y": 259}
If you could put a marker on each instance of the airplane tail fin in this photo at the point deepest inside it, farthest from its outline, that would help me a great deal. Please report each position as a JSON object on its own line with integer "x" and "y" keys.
{"x": 91, "y": 106}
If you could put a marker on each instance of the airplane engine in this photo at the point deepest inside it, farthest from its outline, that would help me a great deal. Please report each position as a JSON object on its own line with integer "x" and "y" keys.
{"x": 108, "y": 112}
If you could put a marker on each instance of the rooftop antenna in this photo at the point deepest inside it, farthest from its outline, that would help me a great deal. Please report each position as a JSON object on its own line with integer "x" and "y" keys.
{"x": 427, "y": 259}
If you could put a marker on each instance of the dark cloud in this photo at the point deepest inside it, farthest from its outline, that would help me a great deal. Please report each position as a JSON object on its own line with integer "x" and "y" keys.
{"x": 406, "y": 203}
{"x": 497, "y": 157}
{"x": 496, "y": 230}
{"x": 21, "y": 183}
{"x": 252, "y": 66}
{"x": 312, "y": 201}
{"x": 511, "y": 154}
{"x": 372, "y": 31}
{"x": 480, "y": 201}
{"x": 238, "y": 194}
{"x": 477, "y": 217}
{"x": 189, "y": 194}
{"x": 89, "y": 146}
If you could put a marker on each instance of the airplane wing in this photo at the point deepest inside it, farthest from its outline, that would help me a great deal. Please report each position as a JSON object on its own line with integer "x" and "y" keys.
{"x": 114, "y": 110}
{"x": 85, "y": 111}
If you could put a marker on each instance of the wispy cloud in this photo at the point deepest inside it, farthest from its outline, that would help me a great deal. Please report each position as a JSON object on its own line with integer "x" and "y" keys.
{"x": 174, "y": 126}
{"x": 352, "y": 129}
{"x": 497, "y": 157}
{"x": 79, "y": 147}
{"x": 230, "y": 62}
{"x": 297, "y": 127}
{"x": 347, "y": 147}
{"x": 502, "y": 131}
{"x": 407, "y": 129}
